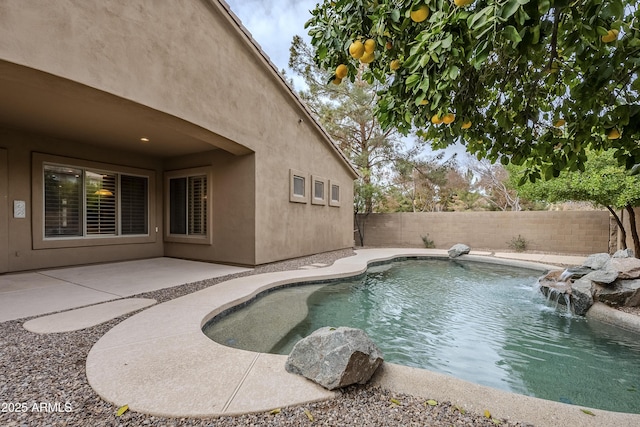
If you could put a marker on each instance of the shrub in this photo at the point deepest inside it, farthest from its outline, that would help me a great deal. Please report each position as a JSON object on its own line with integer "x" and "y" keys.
{"x": 518, "y": 244}
{"x": 428, "y": 243}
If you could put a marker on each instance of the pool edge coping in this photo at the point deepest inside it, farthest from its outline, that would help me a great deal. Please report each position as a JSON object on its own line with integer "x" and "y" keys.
{"x": 127, "y": 366}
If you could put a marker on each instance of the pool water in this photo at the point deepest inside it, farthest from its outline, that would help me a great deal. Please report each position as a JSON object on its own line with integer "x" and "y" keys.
{"x": 483, "y": 323}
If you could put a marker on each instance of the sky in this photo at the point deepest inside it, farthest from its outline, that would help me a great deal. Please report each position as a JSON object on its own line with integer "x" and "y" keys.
{"x": 273, "y": 23}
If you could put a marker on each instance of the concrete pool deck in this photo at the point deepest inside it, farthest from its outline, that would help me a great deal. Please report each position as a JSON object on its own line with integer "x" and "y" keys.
{"x": 159, "y": 362}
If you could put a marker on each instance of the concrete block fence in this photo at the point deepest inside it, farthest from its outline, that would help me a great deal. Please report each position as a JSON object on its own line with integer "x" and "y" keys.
{"x": 570, "y": 232}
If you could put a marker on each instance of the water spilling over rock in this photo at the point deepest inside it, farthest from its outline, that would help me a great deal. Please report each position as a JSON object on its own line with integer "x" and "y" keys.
{"x": 611, "y": 280}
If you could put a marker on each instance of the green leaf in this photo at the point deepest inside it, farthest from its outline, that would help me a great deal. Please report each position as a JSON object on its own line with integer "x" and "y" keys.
{"x": 510, "y": 8}
{"x": 454, "y": 72}
{"x": 588, "y": 412}
{"x": 544, "y": 6}
{"x": 535, "y": 34}
{"x": 431, "y": 402}
{"x": 412, "y": 80}
{"x": 322, "y": 52}
{"x": 511, "y": 33}
{"x": 446, "y": 43}
{"x": 395, "y": 15}
{"x": 122, "y": 410}
{"x": 478, "y": 19}
{"x": 408, "y": 117}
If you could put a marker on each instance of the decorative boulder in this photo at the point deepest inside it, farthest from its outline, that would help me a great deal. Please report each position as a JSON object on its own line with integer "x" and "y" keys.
{"x": 606, "y": 275}
{"x": 596, "y": 261}
{"x": 620, "y": 293}
{"x": 623, "y": 253}
{"x": 581, "y": 296}
{"x": 458, "y": 249}
{"x": 335, "y": 357}
{"x": 628, "y": 268}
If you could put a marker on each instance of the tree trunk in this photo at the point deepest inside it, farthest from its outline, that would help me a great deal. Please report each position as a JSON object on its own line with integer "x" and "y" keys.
{"x": 620, "y": 227}
{"x": 360, "y": 225}
{"x": 634, "y": 230}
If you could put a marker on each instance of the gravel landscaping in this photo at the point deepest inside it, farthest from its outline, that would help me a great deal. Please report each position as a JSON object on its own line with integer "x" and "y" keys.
{"x": 43, "y": 383}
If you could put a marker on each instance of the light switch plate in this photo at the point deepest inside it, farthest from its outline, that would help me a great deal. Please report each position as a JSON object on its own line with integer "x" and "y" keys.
{"x": 19, "y": 209}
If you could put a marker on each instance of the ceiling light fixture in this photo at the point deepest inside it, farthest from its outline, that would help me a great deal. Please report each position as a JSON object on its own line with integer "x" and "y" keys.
{"x": 144, "y": 139}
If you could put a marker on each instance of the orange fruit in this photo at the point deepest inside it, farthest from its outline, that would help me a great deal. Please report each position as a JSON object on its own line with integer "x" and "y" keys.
{"x": 337, "y": 81}
{"x": 612, "y": 35}
{"x": 367, "y": 58}
{"x": 466, "y": 125}
{"x": 342, "y": 71}
{"x": 356, "y": 49}
{"x": 420, "y": 14}
{"x": 436, "y": 120}
{"x": 369, "y": 46}
{"x": 394, "y": 65}
{"x": 559, "y": 123}
{"x": 613, "y": 134}
{"x": 448, "y": 118}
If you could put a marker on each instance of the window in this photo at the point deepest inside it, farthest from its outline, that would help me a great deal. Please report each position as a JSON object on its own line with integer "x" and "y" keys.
{"x": 297, "y": 186}
{"x": 81, "y": 203}
{"x": 334, "y": 199}
{"x": 133, "y": 204}
{"x": 63, "y": 207}
{"x": 319, "y": 192}
{"x": 188, "y": 205}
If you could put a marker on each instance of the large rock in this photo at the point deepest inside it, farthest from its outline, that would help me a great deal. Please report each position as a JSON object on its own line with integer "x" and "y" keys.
{"x": 620, "y": 293}
{"x": 581, "y": 296}
{"x": 458, "y": 249}
{"x": 623, "y": 253}
{"x": 628, "y": 268}
{"x": 335, "y": 357}
{"x": 596, "y": 261}
{"x": 605, "y": 276}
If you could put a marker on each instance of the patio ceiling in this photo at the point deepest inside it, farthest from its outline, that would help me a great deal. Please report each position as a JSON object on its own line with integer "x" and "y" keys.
{"x": 42, "y": 103}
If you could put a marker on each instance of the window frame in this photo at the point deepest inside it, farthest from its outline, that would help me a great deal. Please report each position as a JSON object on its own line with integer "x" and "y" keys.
{"x": 41, "y": 241}
{"x": 318, "y": 200}
{"x": 203, "y": 239}
{"x": 297, "y": 198}
{"x": 333, "y": 202}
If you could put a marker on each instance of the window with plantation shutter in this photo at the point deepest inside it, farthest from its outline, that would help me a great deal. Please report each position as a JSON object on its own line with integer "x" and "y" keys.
{"x": 100, "y": 202}
{"x": 188, "y": 205}
{"x": 134, "y": 204}
{"x": 198, "y": 205}
{"x": 63, "y": 201}
{"x": 84, "y": 203}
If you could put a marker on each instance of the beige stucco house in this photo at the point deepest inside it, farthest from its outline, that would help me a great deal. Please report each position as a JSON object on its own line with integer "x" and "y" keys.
{"x": 142, "y": 128}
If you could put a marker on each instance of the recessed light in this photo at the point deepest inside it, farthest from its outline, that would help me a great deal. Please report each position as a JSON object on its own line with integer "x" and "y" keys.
{"x": 143, "y": 139}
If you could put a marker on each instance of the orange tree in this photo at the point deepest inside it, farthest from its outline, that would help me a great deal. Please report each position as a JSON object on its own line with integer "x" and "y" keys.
{"x": 528, "y": 82}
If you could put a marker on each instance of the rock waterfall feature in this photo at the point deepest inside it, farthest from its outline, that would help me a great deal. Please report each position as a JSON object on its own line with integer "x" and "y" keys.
{"x": 613, "y": 280}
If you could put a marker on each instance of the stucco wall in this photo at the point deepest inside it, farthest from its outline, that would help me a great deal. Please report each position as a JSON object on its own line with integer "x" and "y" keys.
{"x": 572, "y": 232}
{"x": 232, "y": 208}
{"x": 189, "y": 59}
{"x": 22, "y": 185}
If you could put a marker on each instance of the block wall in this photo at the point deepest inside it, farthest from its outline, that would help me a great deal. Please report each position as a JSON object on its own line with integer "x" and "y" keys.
{"x": 570, "y": 232}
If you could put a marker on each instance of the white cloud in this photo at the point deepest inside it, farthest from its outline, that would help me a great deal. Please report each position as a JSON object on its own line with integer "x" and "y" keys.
{"x": 273, "y": 23}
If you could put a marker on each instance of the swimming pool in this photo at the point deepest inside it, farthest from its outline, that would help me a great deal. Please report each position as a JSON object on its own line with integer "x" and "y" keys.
{"x": 482, "y": 323}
